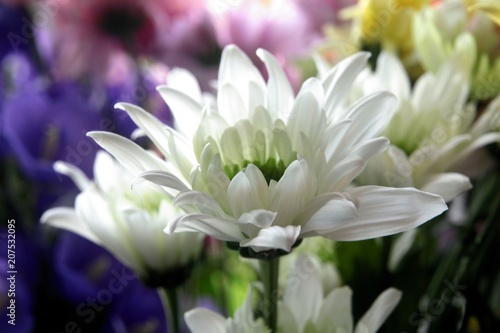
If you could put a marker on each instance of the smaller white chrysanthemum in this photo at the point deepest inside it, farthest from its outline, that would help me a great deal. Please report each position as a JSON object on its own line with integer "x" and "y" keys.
{"x": 201, "y": 320}
{"x": 433, "y": 130}
{"x": 304, "y": 307}
{"x": 456, "y": 30}
{"x": 127, "y": 222}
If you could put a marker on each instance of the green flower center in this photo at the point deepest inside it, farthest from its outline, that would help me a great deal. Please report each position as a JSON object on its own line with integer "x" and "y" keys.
{"x": 271, "y": 169}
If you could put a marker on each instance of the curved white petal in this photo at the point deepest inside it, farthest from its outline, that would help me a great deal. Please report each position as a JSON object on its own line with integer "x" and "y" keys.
{"x": 237, "y": 68}
{"x": 279, "y": 91}
{"x": 183, "y": 80}
{"x": 336, "y": 311}
{"x": 165, "y": 139}
{"x": 393, "y": 75}
{"x": 274, "y": 237}
{"x": 295, "y": 188}
{"x": 66, "y": 218}
{"x": 303, "y": 293}
{"x": 339, "y": 79}
{"x": 201, "y": 201}
{"x": 104, "y": 226}
{"x": 241, "y": 195}
{"x": 201, "y": 320}
{"x": 370, "y": 116}
{"x": 329, "y": 217}
{"x": 129, "y": 154}
{"x": 230, "y": 104}
{"x": 186, "y": 110}
{"x": 306, "y": 118}
{"x": 400, "y": 248}
{"x": 342, "y": 174}
{"x": 260, "y": 218}
{"x": 162, "y": 178}
{"x": 385, "y": 211}
{"x": 447, "y": 185}
{"x": 217, "y": 227}
{"x": 76, "y": 175}
{"x": 380, "y": 310}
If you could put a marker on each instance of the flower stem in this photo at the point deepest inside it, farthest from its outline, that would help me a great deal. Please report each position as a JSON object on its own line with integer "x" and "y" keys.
{"x": 269, "y": 305}
{"x": 170, "y": 304}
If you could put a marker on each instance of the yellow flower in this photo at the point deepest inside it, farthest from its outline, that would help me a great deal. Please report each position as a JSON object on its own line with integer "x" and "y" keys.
{"x": 489, "y": 7}
{"x": 386, "y": 22}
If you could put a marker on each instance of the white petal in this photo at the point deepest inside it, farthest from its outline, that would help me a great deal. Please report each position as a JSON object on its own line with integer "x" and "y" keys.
{"x": 380, "y": 310}
{"x": 129, "y": 154}
{"x": 371, "y": 147}
{"x": 252, "y": 222}
{"x": 306, "y": 118}
{"x": 370, "y": 117}
{"x": 186, "y": 111}
{"x": 202, "y": 201}
{"x": 144, "y": 233}
{"x": 279, "y": 91}
{"x": 385, "y": 211}
{"x": 393, "y": 75}
{"x": 400, "y": 247}
{"x": 108, "y": 173}
{"x": 104, "y": 226}
{"x": 240, "y": 195}
{"x": 237, "y": 68}
{"x": 137, "y": 133}
{"x": 67, "y": 219}
{"x": 333, "y": 214}
{"x": 447, "y": 185}
{"x": 295, "y": 188}
{"x": 259, "y": 185}
{"x": 340, "y": 78}
{"x": 314, "y": 86}
{"x": 76, "y": 175}
{"x": 154, "y": 129}
{"x": 342, "y": 174}
{"x": 479, "y": 142}
{"x": 336, "y": 311}
{"x": 230, "y": 104}
{"x": 183, "y": 80}
{"x": 217, "y": 227}
{"x": 201, "y": 320}
{"x": 304, "y": 293}
{"x": 165, "y": 139}
{"x": 274, "y": 237}
{"x": 260, "y": 218}
{"x": 163, "y": 178}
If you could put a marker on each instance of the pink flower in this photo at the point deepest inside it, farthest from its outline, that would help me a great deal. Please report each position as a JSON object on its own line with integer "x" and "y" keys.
{"x": 278, "y": 26}
{"x": 88, "y": 35}
{"x": 321, "y": 12}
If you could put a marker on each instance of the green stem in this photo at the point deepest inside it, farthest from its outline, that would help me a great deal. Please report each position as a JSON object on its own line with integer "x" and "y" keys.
{"x": 171, "y": 307}
{"x": 269, "y": 275}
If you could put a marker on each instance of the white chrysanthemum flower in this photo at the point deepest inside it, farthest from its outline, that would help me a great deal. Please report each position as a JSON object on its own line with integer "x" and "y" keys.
{"x": 454, "y": 30}
{"x": 305, "y": 307}
{"x": 264, "y": 168}
{"x": 433, "y": 131}
{"x": 127, "y": 222}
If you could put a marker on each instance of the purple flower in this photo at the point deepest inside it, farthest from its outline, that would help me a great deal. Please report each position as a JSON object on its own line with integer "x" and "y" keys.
{"x": 139, "y": 310}
{"x": 88, "y": 276}
{"x": 13, "y": 37}
{"x": 42, "y": 126}
{"x": 17, "y": 289}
